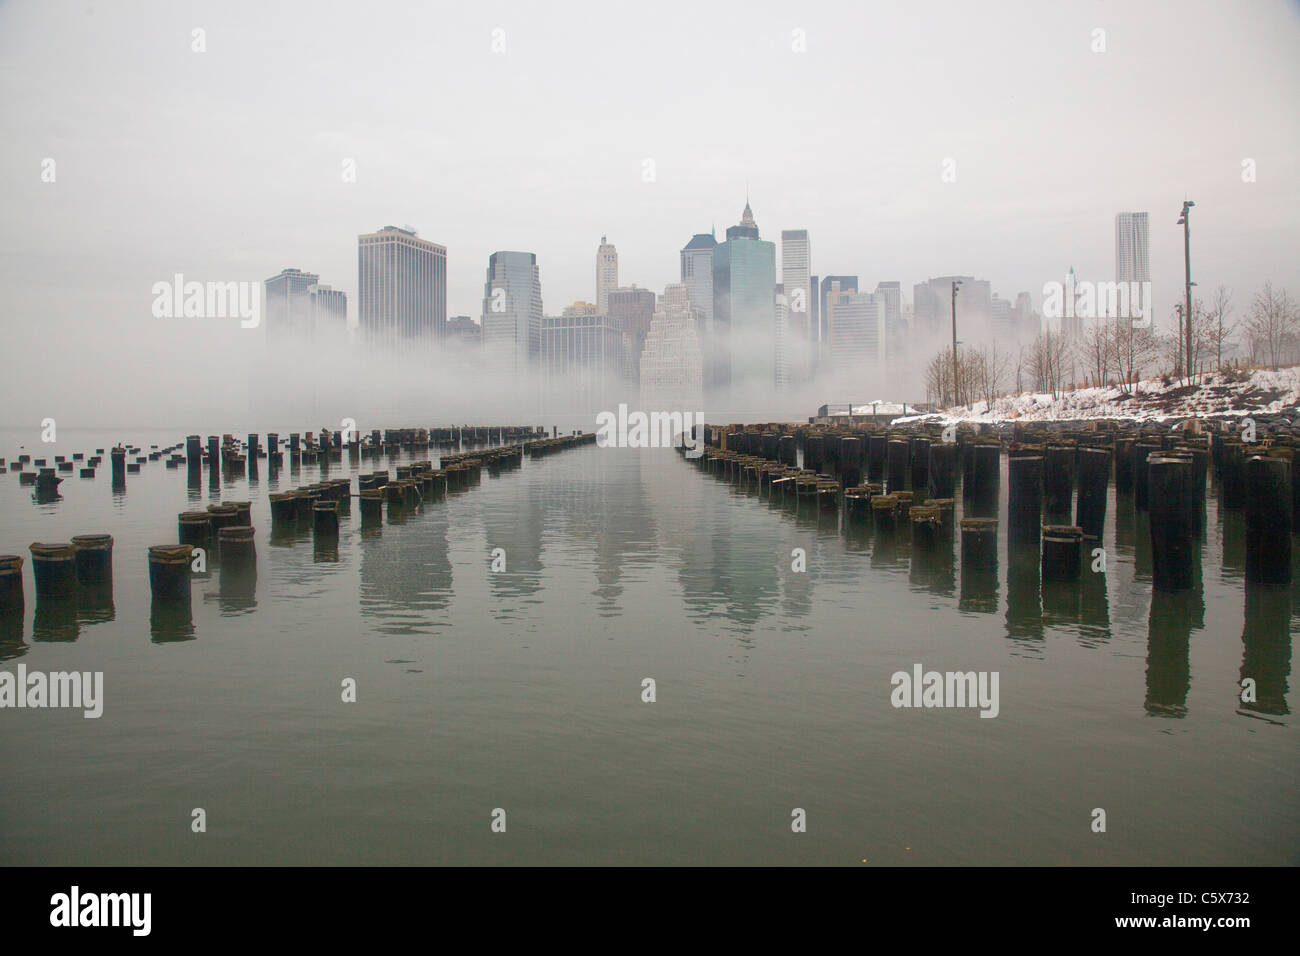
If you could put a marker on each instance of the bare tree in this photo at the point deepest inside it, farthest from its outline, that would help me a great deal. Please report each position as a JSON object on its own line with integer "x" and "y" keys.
{"x": 938, "y": 379}
{"x": 1135, "y": 349}
{"x": 1095, "y": 350}
{"x": 1272, "y": 323}
{"x": 1206, "y": 342}
{"x": 1219, "y": 312}
{"x": 1049, "y": 361}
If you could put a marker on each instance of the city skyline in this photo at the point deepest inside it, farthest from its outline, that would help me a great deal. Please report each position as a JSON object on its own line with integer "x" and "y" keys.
{"x": 1019, "y": 206}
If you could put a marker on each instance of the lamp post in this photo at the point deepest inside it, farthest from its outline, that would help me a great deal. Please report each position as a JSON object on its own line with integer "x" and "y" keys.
{"x": 955, "y": 396}
{"x": 1184, "y": 220}
{"x": 1178, "y": 354}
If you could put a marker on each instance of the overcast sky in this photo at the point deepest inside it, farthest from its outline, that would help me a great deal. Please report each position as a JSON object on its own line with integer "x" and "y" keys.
{"x": 227, "y": 164}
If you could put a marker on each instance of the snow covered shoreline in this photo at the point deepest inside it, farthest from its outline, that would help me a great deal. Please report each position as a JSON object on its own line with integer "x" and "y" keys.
{"x": 1221, "y": 394}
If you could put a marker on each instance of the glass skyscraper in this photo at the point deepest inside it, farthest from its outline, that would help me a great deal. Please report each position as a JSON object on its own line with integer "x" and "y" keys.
{"x": 744, "y": 309}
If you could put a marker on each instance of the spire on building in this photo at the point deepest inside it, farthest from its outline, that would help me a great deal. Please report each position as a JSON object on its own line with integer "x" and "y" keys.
{"x": 747, "y": 217}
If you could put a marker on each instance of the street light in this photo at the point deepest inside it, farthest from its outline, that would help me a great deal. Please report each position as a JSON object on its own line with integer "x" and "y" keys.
{"x": 1185, "y": 220}
{"x": 955, "y": 396}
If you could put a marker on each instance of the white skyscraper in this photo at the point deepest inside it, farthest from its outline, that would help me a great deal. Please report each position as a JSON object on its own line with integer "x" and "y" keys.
{"x": 606, "y": 274}
{"x": 785, "y": 374}
{"x": 402, "y": 288}
{"x": 672, "y": 364}
{"x": 796, "y": 279}
{"x": 1132, "y": 247}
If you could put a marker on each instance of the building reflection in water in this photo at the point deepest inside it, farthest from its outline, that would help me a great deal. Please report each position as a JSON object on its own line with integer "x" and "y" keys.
{"x": 406, "y": 574}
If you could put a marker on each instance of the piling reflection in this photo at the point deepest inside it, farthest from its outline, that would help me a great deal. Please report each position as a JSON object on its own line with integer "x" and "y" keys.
{"x": 237, "y": 588}
{"x": 11, "y": 634}
{"x": 1232, "y": 529}
{"x": 171, "y": 619}
{"x": 1024, "y": 595}
{"x": 95, "y": 603}
{"x": 1125, "y": 532}
{"x": 1266, "y": 654}
{"x": 933, "y": 565}
{"x": 1094, "y": 601}
{"x": 1168, "y": 674}
{"x": 55, "y": 620}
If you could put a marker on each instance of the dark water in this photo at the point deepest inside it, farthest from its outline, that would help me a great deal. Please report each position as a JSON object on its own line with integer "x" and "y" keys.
{"x": 521, "y": 689}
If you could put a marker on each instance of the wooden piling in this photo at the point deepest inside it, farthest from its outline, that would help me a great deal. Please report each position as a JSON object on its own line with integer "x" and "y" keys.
{"x": 1171, "y": 517}
{"x": 1268, "y": 520}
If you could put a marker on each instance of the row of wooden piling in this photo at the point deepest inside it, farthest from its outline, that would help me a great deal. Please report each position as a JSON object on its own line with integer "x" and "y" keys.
{"x": 225, "y": 530}
{"x": 1165, "y": 473}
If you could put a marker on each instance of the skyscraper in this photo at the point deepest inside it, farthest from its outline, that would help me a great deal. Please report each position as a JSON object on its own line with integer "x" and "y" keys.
{"x": 672, "y": 365}
{"x": 631, "y": 310}
{"x": 512, "y": 312}
{"x": 581, "y": 356}
{"x": 1132, "y": 247}
{"x": 932, "y": 308}
{"x": 796, "y": 280}
{"x": 402, "y": 287}
{"x": 697, "y": 276}
{"x": 606, "y": 274}
{"x": 288, "y": 306}
{"x": 1133, "y": 251}
{"x": 846, "y": 284}
{"x": 783, "y": 334}
{"x": 464, "y": 332}
{"x": 299, "y": 308}
{"x": 857, "y": 348}
{"x": 894, "y": 333}
{"x": 744, "y": 308}
{"x": 329, "y": 314}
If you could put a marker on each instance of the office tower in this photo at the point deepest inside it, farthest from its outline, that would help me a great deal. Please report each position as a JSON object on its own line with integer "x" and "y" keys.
{"x": 1132, "y": 247}
{"x": 697, "y": 276}
{"x": 1025, "y": 320}
{"x": 299, "y": 308}
{"x": 1133, "y": 251}
{"x": 796, "y": 279}
{"x": 1000, "y": 321}
{"x": 815, "y": 312}
{"x": 744, "y": 309}
{"x": 846, "y": 284}
{"x": 1071, "y": 324}
{"x": 606, "y": 274}
{"x": 288, "y": 305}
{"x": 833, "y": 289}
{"x": 894, "y": 333}
{"x": 785, "y": 374}
{"x": 932, "y": 311}
{"x": 672, "y": 363}
{"x": 329, "y": 315}
{"x": 631, "y": 310}
{"x": 512, "y": 312}
{"x": 857, "y": 349}
{"x": 402, "y": 288}
{"x": 581, "y": 356}
{"x": 464, "y": 331}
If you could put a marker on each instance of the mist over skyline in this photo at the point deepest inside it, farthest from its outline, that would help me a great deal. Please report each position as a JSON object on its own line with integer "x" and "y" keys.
{"x": 225, "y": 165}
